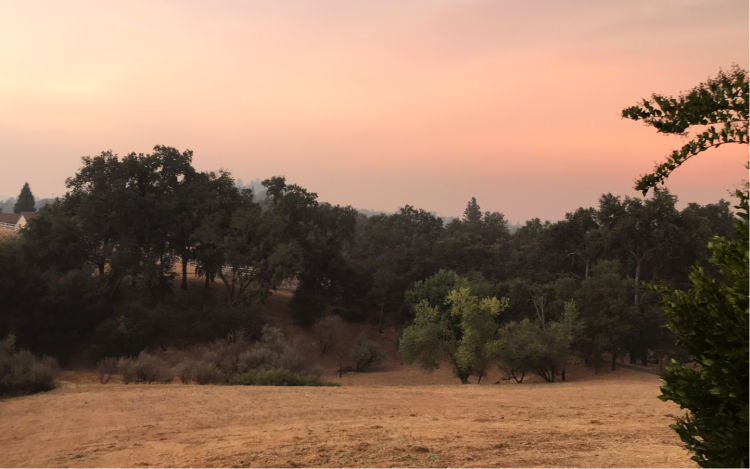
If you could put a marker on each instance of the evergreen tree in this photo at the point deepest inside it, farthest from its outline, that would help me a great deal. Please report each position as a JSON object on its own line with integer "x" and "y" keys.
{"x": 25, "y": 202}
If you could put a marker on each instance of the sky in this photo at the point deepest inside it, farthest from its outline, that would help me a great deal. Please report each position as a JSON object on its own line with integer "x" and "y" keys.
{"x": 374, "y": 104}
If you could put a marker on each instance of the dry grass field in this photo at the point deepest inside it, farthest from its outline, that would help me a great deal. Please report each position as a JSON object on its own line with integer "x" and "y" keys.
{"x": 394, "y": 415}
{"x": 605, "y": 420}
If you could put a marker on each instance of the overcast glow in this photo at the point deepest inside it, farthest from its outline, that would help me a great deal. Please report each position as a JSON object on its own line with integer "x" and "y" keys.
{"x": 370, "y": 103}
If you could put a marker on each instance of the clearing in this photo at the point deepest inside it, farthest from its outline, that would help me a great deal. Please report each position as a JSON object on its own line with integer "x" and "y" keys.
{"x": 612, "y": 419}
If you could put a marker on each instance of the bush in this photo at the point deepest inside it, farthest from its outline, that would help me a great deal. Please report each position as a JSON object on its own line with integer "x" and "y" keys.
{"x": 272, "y": 351}
{"x": 276, "y": 377}
{"x": 200, "y": 371}
{"x": 106, "y": 368}
{"x": 257, "y": 357}
{"x": 270, "y": 361}
{"x": 22, "y": 373}
{"x": 365, "y": 353}
{"x": 129, "y": 330}
{"x": 327, "y": 330}
{"x": 145, "y": 368}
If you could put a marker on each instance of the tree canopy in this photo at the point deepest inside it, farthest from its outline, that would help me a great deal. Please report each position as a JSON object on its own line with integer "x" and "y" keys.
{"x": 25, "y": 202}
{"x": 717, "y": 111}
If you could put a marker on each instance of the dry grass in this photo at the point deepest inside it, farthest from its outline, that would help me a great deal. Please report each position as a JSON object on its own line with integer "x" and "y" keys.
{"x": 612, "y": 420}
{"x": 395, "y": 415}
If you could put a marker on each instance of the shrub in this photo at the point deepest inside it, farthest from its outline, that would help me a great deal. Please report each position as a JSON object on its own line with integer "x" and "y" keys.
{"x": 270, "y": 361}
{"x": 290, "y": 359}
{"x": 327, "y": 330}
{"x": 145, "y": 368}
{"x": 257, "y": 357}
{"x": 365, "y": 353}
{"x": 106, "y": 367}
{"x": 272, "y": 351}
{"x": 23, "y": 373}
{"x": 276, "y": 377}
{"x": 126, "y": 333}
{"x": 200, "y": 371}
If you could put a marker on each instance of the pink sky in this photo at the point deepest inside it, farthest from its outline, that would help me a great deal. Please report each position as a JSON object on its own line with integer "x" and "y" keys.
{"x": 372, "y": 103}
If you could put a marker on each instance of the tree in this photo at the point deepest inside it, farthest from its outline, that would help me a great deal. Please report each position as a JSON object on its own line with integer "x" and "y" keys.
{"x": 711, "y": 319}
{"x": 536, "y": 346}
{"x": 472, "y": 213}
{"x": 478, "y": 328}
{"x": 711, "y": 322}
{"x": 25, "y": 202}
{"x": 606, "y": 309}
{"x": 719, "y": 107}
{"x": 457, "y": 329}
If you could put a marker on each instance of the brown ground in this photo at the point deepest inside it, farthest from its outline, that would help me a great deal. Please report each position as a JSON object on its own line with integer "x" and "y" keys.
{"x": 614, "y": 420}
{"x": 395, "y": 415}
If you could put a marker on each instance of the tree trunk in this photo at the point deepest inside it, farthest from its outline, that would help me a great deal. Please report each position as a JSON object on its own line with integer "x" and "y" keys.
{"x": 586, "y": 272}
{"x": 184, "y": 272}
{"x": 637, "y": 282}
{"x": 381, "y": 314}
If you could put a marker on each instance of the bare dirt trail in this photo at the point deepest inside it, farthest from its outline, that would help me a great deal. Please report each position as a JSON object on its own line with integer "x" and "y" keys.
{"x": 608, "y": 421}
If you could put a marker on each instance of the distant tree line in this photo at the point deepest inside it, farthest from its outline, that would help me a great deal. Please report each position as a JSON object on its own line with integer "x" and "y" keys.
{"x": 95, "y": 272}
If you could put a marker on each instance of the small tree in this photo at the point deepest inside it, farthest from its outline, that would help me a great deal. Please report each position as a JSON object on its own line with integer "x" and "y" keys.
{"x": 533, "y": 346}
{"x": 459, "y": 335}
{"x": 478, "y": 328}
{"x": 365, "y": 353}
{"x": 25, "y": 202}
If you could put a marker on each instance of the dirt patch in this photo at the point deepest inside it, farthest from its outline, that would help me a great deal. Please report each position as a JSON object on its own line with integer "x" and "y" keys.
{"x": 613, "y": 420}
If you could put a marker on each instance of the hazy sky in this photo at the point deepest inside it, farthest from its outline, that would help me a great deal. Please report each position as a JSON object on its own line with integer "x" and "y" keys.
{"x": 370, "y": 103}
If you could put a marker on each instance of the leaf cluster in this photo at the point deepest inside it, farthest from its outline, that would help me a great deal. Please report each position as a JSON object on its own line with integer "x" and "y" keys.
{"x": 718, "y": 107}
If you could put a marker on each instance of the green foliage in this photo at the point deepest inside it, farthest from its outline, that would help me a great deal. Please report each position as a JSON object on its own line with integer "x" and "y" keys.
{"x": 128, "y": 331}
{"x": 365, "y": 353}
{"x": 533, "y": 346}
{"x": 145, "y": 368}
{"x": 478, "y": 328}
{"x": 606, "y": 310}
{"x": 25, "y": 201}
{"x": 389, "y": 253}
{"x": 276, "y": 377}
{"x": 429, "y": 339}
{"x": 710, "y": 321}
{"x": 459, "y": 335}
{"x": 23, "y": 373}
{"x": 517, "y": 348}
{"x": 719, "y": 107}
{"x": 477, "y": 242}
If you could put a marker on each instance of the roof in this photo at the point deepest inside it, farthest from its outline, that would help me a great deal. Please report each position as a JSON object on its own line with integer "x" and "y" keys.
{"x": 10, "y": 218}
